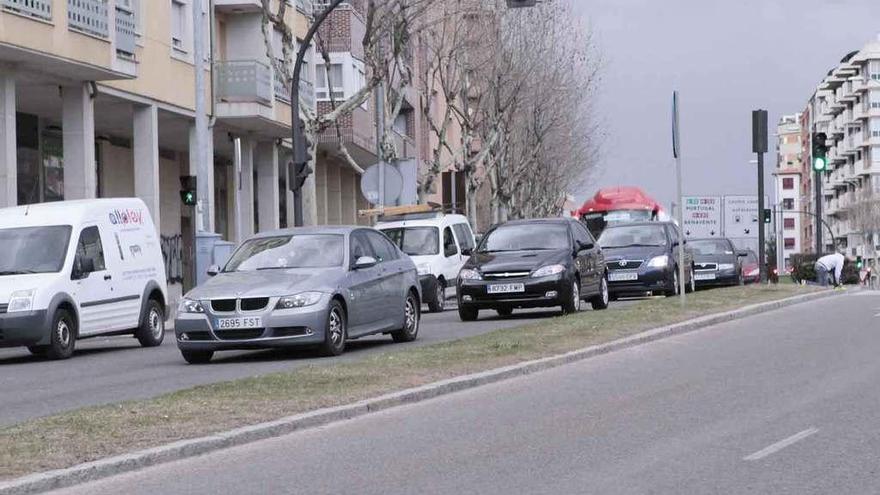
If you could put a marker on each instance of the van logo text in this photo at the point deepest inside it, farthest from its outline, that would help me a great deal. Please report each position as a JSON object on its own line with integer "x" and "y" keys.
{"x": 127, "y": 217}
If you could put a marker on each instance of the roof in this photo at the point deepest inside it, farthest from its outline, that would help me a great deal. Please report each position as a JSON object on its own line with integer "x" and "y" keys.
{"x": 420, "y": 220}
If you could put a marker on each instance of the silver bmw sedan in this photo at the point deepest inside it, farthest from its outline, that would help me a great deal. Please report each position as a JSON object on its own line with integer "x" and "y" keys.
{"x": 312, "y": 286}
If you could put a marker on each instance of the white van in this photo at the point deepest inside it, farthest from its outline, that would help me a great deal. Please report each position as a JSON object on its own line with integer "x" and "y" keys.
{"x": 438, "y": 244}
{"x": 77, "y": 269}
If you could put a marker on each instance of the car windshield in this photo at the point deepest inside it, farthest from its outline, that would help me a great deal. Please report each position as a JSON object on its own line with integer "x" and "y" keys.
{"x": 711, "y": 247}
{"x": 415, "y": 241}
{"x": 33, "y": 249}
{"x": 526, "y": 237}
{"x": 289, "y": 251}
{"x": 633, "y": 236}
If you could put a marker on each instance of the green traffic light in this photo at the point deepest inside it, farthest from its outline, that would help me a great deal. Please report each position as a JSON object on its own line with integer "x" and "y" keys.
{"x": 819, "y": 163}
{"x": 188, "y": 198}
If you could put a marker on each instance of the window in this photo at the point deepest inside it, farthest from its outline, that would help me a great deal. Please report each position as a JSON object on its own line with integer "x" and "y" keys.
{"x": 415, "y": 241}
{"x": 788, "y": 183}
{"x": 89, "y": 251}
{"x": 178, "y": 24}
{"x": 285, "y": 252}
{"x": 360, "y": 247}
{"x": 134, "y": 7}
{"x": 383, "y": 248}
{"x": 875, "y": 127}
{"x": 788, "y": 223}
{"x": 788, "y": 204}
{"x": 580, "y": 234}
{"x": 789, "y": 243}
{"x": 463, "y": 233}
{"x": 336, "y": 82}
{"x": 874, "y": 68}
{"x": 449, "y": 247}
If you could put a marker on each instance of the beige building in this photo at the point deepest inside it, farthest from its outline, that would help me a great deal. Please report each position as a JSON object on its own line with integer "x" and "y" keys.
{"x": 97, "y": 100}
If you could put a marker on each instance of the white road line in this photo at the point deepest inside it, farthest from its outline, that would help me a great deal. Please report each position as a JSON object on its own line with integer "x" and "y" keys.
{"x": 776, "y": 447}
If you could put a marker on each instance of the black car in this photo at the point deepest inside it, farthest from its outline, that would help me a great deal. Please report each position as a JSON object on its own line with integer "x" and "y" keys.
{"x": 643, "y": 257}
{"x": 717, "y": 262}
{"x": 533, "y": 264}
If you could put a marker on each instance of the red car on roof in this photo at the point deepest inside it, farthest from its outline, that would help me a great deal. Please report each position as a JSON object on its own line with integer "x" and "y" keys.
{"x": 622, "y": 204}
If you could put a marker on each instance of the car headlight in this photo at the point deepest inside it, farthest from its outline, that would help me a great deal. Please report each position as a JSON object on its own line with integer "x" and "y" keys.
{"x": 726, "y": 266}
{"x": 469, "y": 274}
{"x": 299, "y": 300}
{"x": 546, "y": 271}
{"x": 659, "y": 261}
{"x": 21, "y": 300}
{"x": 190, "y": 306}
{"x": 424, "y": 269}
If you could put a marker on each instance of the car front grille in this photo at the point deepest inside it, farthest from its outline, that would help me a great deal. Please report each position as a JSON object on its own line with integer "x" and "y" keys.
{"x": 290, "y": 331}
{"x": 245, "y": 334}
{"x": 223, "y": 305}
{"x": 706, "y": 266}
{"x": 624, "y": 264}
{"x": 254, "y": 303}
{"x": 505, "y": 275}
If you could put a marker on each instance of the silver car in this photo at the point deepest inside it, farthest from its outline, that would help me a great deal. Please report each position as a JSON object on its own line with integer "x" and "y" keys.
{"x": 314, "y": 286}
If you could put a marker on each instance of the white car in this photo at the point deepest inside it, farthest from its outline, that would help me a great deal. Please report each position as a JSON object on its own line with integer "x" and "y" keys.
{"x": 438, "y": 244}
{"x": 77, "y": 269}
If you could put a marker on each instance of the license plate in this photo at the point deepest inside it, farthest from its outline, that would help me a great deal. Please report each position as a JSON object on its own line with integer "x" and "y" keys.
{"x": 704, "y": 276}
{"x": 506, "y": 288}
{"x": 622, "y": 276}
{"x": 239, "y": 323}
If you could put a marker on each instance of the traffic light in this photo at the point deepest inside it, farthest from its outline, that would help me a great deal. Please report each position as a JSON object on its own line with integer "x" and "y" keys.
{"x": 768, "y": 215}
{"x": 188, "y": 190}
{"x": 860, "y": 263}
{"x": 299, "y": 169}
{"x": 820, "y": 152}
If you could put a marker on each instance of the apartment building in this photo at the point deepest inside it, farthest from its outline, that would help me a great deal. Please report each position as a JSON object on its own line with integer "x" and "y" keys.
{"x": 846, "y": 107}
{"x": 808, "y": 221}
{"x": 97, "y": 100}
{"x": 788, "y": 187}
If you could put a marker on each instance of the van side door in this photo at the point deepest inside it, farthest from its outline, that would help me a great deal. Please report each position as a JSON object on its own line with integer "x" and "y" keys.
{"x": 92, "y": 284}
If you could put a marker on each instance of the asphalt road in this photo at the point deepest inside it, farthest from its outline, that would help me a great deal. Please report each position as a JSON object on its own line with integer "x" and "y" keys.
{"x": 778, "y": 403}
{"x": 113, "y": 369}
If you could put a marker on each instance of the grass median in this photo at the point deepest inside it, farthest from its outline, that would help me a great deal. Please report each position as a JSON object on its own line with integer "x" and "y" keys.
{"x": 92, "y": 433}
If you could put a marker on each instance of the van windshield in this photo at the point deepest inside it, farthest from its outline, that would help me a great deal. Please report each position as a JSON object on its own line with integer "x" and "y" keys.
{"x": 415, "y": 241}
{"x": 33, "y": 249}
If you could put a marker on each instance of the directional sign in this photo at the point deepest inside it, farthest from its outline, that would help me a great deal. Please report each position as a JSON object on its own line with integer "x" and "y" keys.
{"x": 702, "y": 217}
{"x": 741, "y": 217}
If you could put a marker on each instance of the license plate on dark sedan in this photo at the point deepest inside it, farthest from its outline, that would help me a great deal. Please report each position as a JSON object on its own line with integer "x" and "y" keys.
{"x": 506, "y": 288}
{"x": 623, "y": 276}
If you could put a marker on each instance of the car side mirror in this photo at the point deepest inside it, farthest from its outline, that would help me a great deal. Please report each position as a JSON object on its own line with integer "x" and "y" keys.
{"x": 467, "y": 252}
{"x": 450, "y": 250}
{"x": 213, "y": 270}
{"x": 742, "y": 254}
{"x": 365, "y": 262}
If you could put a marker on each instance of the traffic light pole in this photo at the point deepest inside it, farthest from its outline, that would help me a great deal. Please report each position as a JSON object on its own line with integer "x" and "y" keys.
{"x": 759, "y": 146}
{"x": 817, "y": 178}
{"x": 297, "y": 126}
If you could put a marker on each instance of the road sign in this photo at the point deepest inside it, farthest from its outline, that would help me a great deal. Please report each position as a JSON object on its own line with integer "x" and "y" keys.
{"x": 702, "y": 217}
{"x": 393, "y": 185}
{"x": 741, "y": 217}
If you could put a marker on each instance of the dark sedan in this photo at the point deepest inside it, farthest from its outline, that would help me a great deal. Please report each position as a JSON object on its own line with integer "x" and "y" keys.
{"x": 533, "y": 264}
{"x": 717, "y": 262}
{"x": 643, "y": 258}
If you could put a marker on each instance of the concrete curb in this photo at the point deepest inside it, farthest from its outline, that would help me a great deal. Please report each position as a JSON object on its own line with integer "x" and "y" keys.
{"x": 112, "y": 466}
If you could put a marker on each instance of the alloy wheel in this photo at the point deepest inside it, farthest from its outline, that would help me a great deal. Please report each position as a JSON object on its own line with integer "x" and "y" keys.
{"x": 576, "y": 297}
{"x": 337, "y": 332}
{"x": 412, "y": 318}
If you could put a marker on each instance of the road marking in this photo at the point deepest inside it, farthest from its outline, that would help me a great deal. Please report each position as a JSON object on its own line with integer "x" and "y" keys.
{"x": 776, "y": 447}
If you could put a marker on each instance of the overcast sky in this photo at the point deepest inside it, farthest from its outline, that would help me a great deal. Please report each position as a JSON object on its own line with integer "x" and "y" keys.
{"x": 726, "y": 58}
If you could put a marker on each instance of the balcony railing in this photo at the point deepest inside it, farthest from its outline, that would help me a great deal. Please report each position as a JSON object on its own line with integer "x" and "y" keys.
{"x": 89, "y": 17}
{"x": 126, "y": 32}
{"x": 306, "y": 91}
{"x": 307, "y": 7}
{"x": 243, "y": 81}
{"x": 40, "y": 9}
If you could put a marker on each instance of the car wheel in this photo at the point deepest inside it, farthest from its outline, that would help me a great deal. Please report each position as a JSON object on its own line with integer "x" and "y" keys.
{"x": 197, "y": 357}
{"x": 336, "y": 331}
{"x": 504, "y": 312}
{"x": 62, "y": 340}
{"x": 573, "y": 303}
{"x": 600, "y": 300}
{"x": 437, "y": 304}
{"x": 411, "y": 319}
{"x": 673, "y": 291}
{"x": 467, "y": 313}
{"x": 151, "y": 332}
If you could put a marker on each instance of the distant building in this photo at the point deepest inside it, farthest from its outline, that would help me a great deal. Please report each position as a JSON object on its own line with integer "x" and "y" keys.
{"x": 788, "y": 186}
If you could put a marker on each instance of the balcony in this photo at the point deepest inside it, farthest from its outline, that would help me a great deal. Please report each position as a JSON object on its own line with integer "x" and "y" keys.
{"x": 126, "y": 33}
{"x": 89, "y": 17}
{"x": 38, "y": 9}
{"x": 358, "y": 133}
{"x": 306, "y": 92}
{"x": 243, "y": 81}
{"x": 307, "y": 7}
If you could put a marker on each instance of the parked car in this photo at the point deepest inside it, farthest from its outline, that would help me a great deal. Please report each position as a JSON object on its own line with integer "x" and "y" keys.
{"x": 717, "y": 262}
{"x": 750, "y": 272}
{"x": 438, "y": 244}
{"x": 643, "y": 258}
{"x": 533, "y": 263}
{"x": 77, "y": 269}
{"x": 313, "y": 286}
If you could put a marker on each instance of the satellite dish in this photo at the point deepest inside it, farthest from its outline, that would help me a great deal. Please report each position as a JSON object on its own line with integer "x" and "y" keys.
{"x": 393, "y": 184}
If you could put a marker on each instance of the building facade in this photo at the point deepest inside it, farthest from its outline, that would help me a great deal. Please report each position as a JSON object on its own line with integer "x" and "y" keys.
{"x": 788, "y": 205}
{"x": 846, "y": 107}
